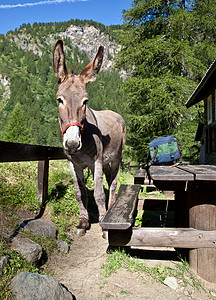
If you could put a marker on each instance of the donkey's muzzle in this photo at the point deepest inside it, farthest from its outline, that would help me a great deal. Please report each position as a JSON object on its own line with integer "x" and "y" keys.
{"x": 72, "y": 139}
{"x": 73, "y": 146}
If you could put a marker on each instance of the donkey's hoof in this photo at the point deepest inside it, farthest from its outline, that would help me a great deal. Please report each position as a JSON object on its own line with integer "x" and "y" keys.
{"x": 80, "y": 232}
{"x": 105, "y": 234}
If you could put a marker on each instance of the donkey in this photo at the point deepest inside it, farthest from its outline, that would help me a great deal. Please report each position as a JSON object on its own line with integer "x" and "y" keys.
{"x": 93, "y": 139}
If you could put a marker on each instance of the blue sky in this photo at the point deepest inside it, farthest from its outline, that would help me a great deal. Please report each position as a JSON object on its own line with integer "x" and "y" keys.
{"x": 14, "y": 13}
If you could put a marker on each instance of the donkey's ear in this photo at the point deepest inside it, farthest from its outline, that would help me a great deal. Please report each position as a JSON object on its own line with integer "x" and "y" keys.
{"x": 91, "y": 70}
{"x": 59, "y": 61}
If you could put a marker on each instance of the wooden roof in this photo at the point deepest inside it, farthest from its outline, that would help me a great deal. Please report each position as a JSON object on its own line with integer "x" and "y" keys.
{"x": 204, "y": 87}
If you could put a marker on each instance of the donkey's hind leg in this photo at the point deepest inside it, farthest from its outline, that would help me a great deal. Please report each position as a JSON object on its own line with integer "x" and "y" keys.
{"x": 108, "y": 175}
{"x": 111, "y": 172}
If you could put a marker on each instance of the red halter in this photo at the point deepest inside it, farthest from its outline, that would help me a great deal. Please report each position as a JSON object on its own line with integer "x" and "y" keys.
{"x": 69, "y": 125}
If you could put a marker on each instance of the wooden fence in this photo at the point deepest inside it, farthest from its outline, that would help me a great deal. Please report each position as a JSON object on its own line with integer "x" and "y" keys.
{"x": 14, "y": 152}
{"x": 127, "y": 166}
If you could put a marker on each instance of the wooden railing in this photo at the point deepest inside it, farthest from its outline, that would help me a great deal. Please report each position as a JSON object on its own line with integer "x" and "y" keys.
{"x": 14, "y": 152}
{"x": 127, "y": 166}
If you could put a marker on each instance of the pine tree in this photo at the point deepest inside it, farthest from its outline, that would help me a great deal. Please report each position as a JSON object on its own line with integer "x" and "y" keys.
{"x": 163, "y": 54}
{"x": 17, "y": 131}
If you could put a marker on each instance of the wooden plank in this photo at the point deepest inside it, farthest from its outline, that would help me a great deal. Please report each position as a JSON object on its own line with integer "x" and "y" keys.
{"x": 163, "y": 237}
{"x": 139, "y": 176}
{"x": 11, "y": 152}
{"x": 168, "y": 185}
{"x": 156, "y": 204}
{"x": 120, "y": 215}
{"x": 201, "y": 172}
{"x": 169, "y": 173}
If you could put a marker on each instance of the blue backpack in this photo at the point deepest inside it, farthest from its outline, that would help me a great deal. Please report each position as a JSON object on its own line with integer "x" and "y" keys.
{"x": 164, "y": 151}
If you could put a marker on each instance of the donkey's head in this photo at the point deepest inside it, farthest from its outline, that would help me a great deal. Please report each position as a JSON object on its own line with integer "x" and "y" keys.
{"x": 72, "y": 96}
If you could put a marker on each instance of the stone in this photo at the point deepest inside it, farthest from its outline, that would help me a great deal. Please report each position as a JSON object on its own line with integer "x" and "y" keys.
{"x": 62, "y": 246}
{"x": 30, "y": 286}
{"x": 42, "y": 227}
{"x": 171, "y": 282}
{"x": 4, "y": 261}
{"x": 27, "y": 248}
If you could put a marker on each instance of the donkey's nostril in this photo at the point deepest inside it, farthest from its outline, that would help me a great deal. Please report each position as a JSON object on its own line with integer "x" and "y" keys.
{"x": 72, "y": 145}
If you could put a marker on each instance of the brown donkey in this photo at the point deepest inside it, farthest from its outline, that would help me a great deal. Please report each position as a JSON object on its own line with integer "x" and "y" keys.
{"x": 93, "y": 139}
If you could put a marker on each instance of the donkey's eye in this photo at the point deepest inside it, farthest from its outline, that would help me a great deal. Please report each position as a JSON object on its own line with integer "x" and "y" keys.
{"x": 60, "y": 101}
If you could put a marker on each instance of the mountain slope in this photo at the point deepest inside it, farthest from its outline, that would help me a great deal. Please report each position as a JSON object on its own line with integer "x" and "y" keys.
{"x": 28, "y": 85}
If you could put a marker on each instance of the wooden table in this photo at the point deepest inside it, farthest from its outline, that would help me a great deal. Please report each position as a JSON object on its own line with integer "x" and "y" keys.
{"x": 195, "y": 197}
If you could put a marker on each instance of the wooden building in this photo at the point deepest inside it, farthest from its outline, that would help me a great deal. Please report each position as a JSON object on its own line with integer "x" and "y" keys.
{"x": 206, "y": 133}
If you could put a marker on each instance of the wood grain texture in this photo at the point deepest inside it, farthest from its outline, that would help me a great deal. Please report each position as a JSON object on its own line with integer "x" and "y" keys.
{"x": 121, "y": 213}
{"x": 170, "y": 173}
{"x": 11, "y": 152}
{"x": 139, "y": 176}
{"x": 203, "y": 217}
{"x": 42, "y": 180}
{"x": 164, "y": 237}
{"x": 200, "y": 172}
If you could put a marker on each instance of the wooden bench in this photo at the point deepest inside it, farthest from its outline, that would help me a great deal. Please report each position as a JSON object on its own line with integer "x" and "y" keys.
{"x": 140, "y": 177}
{"x": 195, "y": 197}
{"x": 193, "y": 231}
{"x": 120, "y": 218}
{"x": 121, "y": 214}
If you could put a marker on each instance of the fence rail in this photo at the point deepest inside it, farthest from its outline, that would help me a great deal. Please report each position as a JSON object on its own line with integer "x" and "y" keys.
{"x": 127, "y": 166}
{"x": 14, "y": 152}
{"x": 11, "y": 152}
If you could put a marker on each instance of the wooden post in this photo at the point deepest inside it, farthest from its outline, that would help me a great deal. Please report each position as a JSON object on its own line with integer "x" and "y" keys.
{"x": 42, "y": 183}
{"x": 202, "y": 216}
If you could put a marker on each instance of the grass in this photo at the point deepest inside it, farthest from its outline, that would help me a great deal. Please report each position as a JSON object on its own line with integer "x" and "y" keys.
{"x": 17, "y": 264}
{"x": 18, "y": 185}
{"x": 18, "y": 200}
{"x": 119, "y": 259}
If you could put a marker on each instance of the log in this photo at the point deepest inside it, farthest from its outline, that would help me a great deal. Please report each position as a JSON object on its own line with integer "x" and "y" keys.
{"x": 203, "y": 217}
{"x": 163, "y": 237}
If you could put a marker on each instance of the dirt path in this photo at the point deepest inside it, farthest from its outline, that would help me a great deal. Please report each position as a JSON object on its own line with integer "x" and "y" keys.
{"x": 80, "y": 272}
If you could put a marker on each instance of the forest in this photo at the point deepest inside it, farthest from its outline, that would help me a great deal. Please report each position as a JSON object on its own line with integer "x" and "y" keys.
{"x": 167, "y": 46}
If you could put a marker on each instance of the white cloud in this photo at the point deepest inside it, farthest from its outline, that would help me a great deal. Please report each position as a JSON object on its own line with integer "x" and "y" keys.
{"x": 45, "y": 2}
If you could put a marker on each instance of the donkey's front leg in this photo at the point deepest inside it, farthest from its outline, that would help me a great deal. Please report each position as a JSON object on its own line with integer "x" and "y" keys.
{"x": 99, "y": 194}
{"x": 82, "y": 198}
